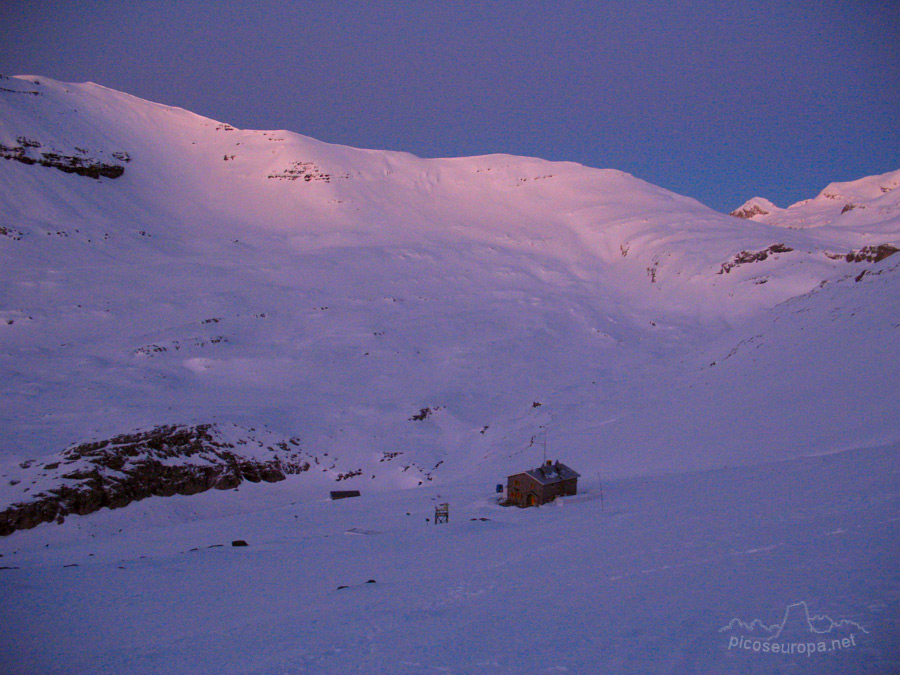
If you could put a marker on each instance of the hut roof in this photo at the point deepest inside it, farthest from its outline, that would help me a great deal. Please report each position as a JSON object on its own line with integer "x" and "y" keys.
{"x": 552, "y": 473}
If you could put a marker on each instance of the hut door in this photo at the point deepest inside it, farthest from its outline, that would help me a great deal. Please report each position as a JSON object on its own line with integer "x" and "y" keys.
{"x": 531, "y": 499}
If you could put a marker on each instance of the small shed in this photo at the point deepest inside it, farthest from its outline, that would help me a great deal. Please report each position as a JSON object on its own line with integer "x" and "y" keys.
{"x": 541, "y": 485}
{"x": 343, "y": 494}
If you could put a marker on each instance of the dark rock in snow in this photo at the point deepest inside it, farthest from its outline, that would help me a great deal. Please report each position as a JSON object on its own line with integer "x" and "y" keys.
{"x": 745, "y": 257}
{"x": 67, "y": 163}
{"x": 162, "y": 461}
{"x": 748, "y": 212}
{"x": 871, "y": 253}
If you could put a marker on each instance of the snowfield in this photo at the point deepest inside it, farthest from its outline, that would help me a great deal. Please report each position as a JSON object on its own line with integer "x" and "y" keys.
{"x": 644, "y": 581}
{"x": 418, "y": 330}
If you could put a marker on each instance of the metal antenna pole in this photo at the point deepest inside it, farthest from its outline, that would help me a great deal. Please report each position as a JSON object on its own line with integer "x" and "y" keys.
{"x": 545, "y": 446}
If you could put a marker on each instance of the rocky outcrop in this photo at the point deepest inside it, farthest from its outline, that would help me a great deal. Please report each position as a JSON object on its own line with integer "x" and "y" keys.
{"x": 305, "y": 171}
{"x": 754, "y": 207}
{"x": 162, "y": 461}
{"x": 745, "y": 257}
{"x": 871, "y": 253}
{"x": 866, "y": 254}
{"x": 10, "y": 233}
{"x": 4, "y": 79}
{"x": 80, "y": 164}
{"x": 748, "y": 212}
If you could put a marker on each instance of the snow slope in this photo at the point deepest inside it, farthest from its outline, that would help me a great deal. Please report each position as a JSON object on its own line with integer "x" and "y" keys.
{"x": 649, "y": 580}
{"x": 337, "y": 304}
{"x": 433, "y": 324}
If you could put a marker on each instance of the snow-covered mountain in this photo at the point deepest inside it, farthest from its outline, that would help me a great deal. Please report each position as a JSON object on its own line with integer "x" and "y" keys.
{"x": 186, "y": 305}
{"x": 870, "y": 204}
{"x": 328, "y": 293}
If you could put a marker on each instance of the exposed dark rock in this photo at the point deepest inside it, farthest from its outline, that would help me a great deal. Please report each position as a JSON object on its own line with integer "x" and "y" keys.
{"x": 7, "y": 90}
{"x": 748, "y": 212}
{"x": 163, "y": 461}
{"x": 871, "y": 253}
{"x": 239, "y": 542}
{"x": 82, "y": 166}
{"x": 421, "y": 415}
{"x": 306, "y": 171}
{"x": 745, "y": 257}
{"x": 19, "y": 91}
{"x": 865, "y": 254}
{"x": 8, "y": 232}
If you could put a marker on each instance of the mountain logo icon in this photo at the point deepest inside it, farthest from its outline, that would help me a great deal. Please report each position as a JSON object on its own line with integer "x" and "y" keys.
{"x": 797, "y": 620}
{"x": 799, "y": 632}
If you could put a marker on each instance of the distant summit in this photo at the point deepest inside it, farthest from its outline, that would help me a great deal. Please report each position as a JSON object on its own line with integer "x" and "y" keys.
{"x": 757, "y": 206}
{"x": 870, "y": 200}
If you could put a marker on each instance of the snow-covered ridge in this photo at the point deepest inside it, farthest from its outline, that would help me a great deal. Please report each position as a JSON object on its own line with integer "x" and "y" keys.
{"x": 873, "y": 201}
{"x": 211, "y": 170}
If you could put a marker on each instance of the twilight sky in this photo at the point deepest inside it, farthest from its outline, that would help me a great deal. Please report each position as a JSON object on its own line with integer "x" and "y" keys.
{"x": 721, "y": 100}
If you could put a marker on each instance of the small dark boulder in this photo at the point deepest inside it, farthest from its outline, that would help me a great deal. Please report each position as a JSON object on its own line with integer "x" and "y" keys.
{"x": 239, "y": 542}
